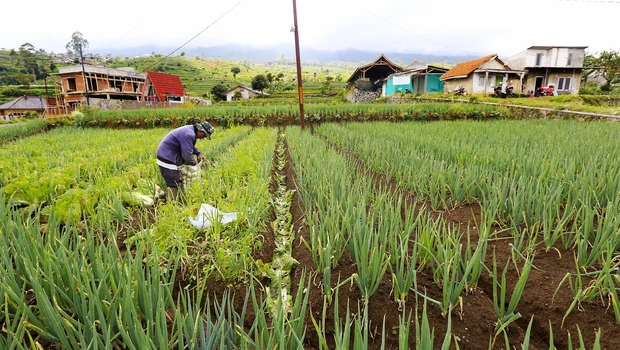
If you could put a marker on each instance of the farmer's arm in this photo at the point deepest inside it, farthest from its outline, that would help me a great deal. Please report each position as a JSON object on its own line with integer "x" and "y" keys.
{"x": 187, "y": 150}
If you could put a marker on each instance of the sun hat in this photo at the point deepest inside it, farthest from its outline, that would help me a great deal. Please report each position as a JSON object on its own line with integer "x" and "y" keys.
{"x": 206, "y": 128}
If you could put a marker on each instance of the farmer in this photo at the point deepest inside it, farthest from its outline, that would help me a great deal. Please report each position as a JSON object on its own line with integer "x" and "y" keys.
{"x": 178, "y": 148}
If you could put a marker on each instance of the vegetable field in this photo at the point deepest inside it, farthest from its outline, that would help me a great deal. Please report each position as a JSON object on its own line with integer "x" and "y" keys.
{"x": 408, "y": 235}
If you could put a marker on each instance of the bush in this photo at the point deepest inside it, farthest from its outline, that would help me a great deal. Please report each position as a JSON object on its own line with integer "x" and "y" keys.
{"x": 11, "y": 92}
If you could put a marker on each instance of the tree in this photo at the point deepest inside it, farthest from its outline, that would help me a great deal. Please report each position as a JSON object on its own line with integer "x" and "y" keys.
{"x": 235, "y": 71}
{"x": 25, "y": 79}
{"x": 13, "y": 56}
{"x": 182, "y": 53}
{"x": 76, "y": 46}
{"x": 326, "y": 85}
{"x": 609, "y": 62}
{"x": 29, "y": 60}
{"x": 218, "y": 92}
{"x": 260, "y": 82}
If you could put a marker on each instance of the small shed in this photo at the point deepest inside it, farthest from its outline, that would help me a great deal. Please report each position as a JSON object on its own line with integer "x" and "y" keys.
{"x": 160, "y": 87}
{"x": 417, "y": 78}
{"x": 244, "y": 93}
{"x": 23, "y": 105}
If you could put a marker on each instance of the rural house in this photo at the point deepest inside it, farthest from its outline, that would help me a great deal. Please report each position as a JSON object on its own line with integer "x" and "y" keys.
{"x": 417, "y": 78}
{"x": 99, "y": 83}
{"x": 481, "y": 76}
{"x": 559, "y": 66}
{"x": 243, "y": 92}
{"x": 369, "y": 77}
{"x": 22, "y": 106}
{"x": 160, "y": 87}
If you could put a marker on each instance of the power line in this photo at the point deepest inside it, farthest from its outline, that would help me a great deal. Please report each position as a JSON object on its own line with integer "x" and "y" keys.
{"x": 594, "y": 1}
{"x": 334, "y": 46}
{"x": 131, "y": 30}
{"x": 195, "y": 36}
{"x": 416, "y": 35}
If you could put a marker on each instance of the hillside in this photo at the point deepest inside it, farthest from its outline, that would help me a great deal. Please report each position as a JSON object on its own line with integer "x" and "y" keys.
{"x": 199, "y": 74}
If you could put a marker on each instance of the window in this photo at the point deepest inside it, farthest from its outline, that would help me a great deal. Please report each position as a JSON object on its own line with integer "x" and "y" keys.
{"x": 481, "y": 80}
{"x": 71, "y": 84}
{"x": 570, "y": 59}
{"x": 539, "y": 58}
{"x": 560, "y": 83}
{"x": 567, "y": 84}
{"x": 92, "y": 84}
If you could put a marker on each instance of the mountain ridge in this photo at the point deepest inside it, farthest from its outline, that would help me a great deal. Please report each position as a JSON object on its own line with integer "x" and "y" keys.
{"x": 274, "y": 53}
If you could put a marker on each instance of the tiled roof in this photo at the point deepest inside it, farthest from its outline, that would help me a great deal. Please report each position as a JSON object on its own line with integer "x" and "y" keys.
{"x": 25, "y": 102}
{"x": 464, "y": 68}
{"x": 165, "y": 84}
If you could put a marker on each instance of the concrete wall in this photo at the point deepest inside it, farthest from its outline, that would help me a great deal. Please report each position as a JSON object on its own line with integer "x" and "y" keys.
{"x": 245, "y": 94}
{"x": 553, "y": 57}
{"x": 552, "y": 76}
{"x": 466, "y": 83}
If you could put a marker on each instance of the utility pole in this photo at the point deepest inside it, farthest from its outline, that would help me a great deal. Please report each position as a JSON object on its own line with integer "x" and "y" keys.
{"x": 298, "y": 59}
{"x": 84, "y": 77}
{"x": 47, "y": 96}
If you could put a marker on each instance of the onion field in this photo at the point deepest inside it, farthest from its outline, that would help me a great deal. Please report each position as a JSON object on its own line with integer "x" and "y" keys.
{"x": 378, "y": 235}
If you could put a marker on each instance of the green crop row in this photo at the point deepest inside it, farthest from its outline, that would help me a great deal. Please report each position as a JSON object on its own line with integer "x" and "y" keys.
{"x": 237, "y": 180}
{"x": 258, "y": 115}
{"x": 11, "y": 131}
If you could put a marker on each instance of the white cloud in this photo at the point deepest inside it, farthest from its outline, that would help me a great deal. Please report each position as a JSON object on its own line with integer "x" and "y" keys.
{"x": 478, "y": 27}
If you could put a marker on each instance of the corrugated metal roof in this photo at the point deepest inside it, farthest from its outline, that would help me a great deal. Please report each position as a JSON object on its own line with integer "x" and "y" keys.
{"x": 122, "y": 72}
{"x": 165, "y": 84}
{"x": 25, "y": 102}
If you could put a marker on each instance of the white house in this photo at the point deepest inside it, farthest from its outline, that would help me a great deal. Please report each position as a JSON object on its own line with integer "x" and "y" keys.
{"x": 244, "y": 92}
{"x": 559, "y": 66}
{"x": 481, "y": 75}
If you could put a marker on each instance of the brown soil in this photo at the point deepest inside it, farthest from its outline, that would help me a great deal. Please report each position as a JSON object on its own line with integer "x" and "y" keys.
{"x": 473, "y": 325}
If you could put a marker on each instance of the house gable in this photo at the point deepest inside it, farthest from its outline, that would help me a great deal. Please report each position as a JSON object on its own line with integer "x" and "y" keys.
{"x": 381, "y": 68}
{"x": 493, "y": 64}
{"x": 163, "y": 86}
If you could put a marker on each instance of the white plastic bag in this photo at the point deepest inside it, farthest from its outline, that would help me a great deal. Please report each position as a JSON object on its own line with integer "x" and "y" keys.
{"x": 208, "y": 214}
{"x": 190, "y": 173}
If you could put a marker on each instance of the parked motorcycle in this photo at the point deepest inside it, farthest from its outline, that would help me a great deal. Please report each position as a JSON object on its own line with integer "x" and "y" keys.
{"x": 544, "y": 91}
{"x": 459, "y": 91}
{"x": 497, "y": 91}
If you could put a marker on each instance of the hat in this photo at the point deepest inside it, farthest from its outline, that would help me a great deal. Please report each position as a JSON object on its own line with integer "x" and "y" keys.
{"x": 206, "y": 128}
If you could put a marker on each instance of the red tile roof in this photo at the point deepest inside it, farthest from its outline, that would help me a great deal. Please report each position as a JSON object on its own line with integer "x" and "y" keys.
{"x": 165, "y": 84}
{"x": 464, "y": 68}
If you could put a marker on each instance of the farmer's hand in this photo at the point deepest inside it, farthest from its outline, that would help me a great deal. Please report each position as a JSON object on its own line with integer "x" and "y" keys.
{"x": 201, "y": 157}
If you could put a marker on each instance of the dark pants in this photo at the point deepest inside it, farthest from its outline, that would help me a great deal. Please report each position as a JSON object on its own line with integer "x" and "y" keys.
{"x": 172, "y": 178}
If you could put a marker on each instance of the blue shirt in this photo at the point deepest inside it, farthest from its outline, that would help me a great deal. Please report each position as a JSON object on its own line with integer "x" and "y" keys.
{"x": 179, "y": 146}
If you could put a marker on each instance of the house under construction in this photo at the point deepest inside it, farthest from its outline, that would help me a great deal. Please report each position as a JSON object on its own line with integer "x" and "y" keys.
{"x": 96, "y": 83}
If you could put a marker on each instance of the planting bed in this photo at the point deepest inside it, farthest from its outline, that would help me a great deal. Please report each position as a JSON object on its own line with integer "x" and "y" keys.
{"x": 361, "y": 235}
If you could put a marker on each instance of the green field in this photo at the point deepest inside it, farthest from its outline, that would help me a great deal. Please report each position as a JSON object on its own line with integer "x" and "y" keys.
{"x": 394, "y": 233}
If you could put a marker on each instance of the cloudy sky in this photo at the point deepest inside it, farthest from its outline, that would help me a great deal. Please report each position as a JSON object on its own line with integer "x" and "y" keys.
{"x": 458, "y": 27}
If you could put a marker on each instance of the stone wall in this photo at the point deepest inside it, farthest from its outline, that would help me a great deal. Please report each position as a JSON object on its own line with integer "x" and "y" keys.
{"x": 363, "y": 96}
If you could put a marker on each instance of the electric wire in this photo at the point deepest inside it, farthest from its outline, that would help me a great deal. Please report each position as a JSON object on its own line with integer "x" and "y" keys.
{"x": 195, "y": 36}
{"x": 331, "y": 42}
{"x": 418, "y": 36}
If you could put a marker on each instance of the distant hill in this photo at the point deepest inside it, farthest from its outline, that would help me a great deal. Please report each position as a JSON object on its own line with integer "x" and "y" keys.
{"x": 274, "y": 53}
